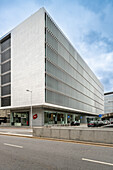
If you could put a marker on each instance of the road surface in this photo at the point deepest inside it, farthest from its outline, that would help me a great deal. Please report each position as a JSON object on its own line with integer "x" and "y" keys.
{"x": 18, "y": 153}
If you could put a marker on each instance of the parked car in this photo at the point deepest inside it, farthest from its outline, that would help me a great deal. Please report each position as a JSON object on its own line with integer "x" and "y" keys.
{"x": 106, "y": 122}
{"x": 108, "y": 126}
{"x": 91, "y": 124}
{"x": 75, "y": 123}
{"x": 100, "y": 123}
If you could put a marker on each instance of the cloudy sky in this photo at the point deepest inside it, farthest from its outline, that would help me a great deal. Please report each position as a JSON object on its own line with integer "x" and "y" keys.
{"x": 88, "y": 24}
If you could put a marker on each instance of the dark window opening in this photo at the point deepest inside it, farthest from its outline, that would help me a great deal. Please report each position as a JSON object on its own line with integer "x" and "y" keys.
{"x": 6, "y": 101}
{"x": 6, "y": 67}
{"x": 6, "y": 90}
{"x": 5, "y": 44}
{"x": 6, "y": 55}
{"x": 6, "y": 78}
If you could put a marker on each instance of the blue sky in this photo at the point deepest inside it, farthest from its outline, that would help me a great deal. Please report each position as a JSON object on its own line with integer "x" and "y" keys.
{"x": 88, "y": 24}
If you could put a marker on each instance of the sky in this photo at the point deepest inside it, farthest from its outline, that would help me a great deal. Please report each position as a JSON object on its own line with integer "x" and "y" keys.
{"x": 88, "y": 24}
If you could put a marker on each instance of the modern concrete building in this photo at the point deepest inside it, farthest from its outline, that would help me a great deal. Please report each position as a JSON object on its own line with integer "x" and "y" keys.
{"x": 40, "y": 68}
{"x": 108, "y": 105}
{"x": 108, "y": 102}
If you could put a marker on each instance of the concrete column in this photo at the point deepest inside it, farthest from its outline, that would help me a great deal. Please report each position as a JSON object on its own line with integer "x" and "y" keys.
{"x": 56, "y": 119}
{"x": 73, "y": 117}
{"x": 11, "y": 118}
{"x": 65, "y": 118}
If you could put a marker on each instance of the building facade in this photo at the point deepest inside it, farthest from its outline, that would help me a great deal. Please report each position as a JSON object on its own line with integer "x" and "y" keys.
{"x": 108, "y": 106}
{"x": 108, "y": 103}
{"x": 43, "y": 78}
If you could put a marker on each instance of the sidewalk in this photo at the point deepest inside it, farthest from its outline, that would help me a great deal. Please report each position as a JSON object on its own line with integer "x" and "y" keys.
{"x": 16, "y": 131}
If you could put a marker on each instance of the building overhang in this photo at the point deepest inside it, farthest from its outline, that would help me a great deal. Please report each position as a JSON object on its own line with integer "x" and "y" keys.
{"x": 108, "y": 115}
{"x": 48, "y": 106}
{"x": 67, "y": 109}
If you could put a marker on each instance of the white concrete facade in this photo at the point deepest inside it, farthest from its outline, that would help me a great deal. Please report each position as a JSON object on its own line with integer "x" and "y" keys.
{"x": 40, "y": 117}
{"x": 28, "y": 61}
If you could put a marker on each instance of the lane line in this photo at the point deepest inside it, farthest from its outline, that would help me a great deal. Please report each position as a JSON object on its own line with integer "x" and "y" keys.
{"x": 17, "y": 146}
{"x": 99, "y": 162}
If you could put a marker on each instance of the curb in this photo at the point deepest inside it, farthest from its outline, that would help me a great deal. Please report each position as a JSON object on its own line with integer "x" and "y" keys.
{"x": 17, "y": 135}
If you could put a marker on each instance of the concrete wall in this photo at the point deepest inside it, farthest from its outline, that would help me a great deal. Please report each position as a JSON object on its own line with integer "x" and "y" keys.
{"x": 99, "y": 136}
{"x": 28, "y": 61}
{"x": 39, "y": 121}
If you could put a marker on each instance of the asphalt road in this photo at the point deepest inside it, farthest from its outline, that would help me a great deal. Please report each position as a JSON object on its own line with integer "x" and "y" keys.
{"x": 18, "y": 153}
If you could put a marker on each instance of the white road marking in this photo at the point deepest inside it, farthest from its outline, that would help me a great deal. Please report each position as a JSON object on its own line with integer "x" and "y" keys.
{"x": 99, "y": 162}
{"x": 17, "y": 146}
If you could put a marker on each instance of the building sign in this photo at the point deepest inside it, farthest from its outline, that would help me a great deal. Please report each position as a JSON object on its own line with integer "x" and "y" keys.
{"x": 35, "y": 116}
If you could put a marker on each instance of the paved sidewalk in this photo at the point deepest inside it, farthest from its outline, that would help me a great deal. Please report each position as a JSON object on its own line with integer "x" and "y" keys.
{"x": 18, "y": 131}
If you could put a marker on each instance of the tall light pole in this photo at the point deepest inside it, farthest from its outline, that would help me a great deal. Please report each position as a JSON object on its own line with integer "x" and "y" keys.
{"x": 31, "y": 105}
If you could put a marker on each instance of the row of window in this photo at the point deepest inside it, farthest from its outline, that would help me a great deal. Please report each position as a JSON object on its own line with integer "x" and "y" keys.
{"x": 59, "y": 86}
{"x": 72, "y": 68}
{"x": 61, "y": 38}
{"x": 59, "y": 99}
{"x": 74, "y": 83}
{"x": 67, "y": 57}
{"x": 5, "y": 72}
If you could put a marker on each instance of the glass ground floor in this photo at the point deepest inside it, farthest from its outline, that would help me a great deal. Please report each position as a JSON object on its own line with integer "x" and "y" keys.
{"x": 46, "y": 117}
{"x": 20, "y": 119}
{"x": 59, "y": 117}
{"x": 41, "y": 117}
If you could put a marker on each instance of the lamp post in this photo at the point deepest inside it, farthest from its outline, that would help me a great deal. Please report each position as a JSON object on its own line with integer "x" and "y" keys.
{"x": 31, "y": 105}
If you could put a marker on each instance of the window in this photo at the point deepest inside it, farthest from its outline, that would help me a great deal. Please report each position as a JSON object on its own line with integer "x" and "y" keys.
{"x": 6, "y": 55}
{"x": 6, "y": 90}
{"x": 6, "y": 101}
{"x": 6, "y": 78}
{"x": 6, "y": 67}
{"x": 5, "y": 44}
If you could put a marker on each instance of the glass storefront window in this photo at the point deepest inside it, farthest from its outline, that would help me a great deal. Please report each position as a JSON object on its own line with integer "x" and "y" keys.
{"x": 20, "y": 119}
{"x": 58, "y": 118}
{"x": 50, "y": 118}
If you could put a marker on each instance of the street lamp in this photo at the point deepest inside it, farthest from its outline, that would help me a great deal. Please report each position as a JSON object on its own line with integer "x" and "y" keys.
{"x": 31, "y": 105}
